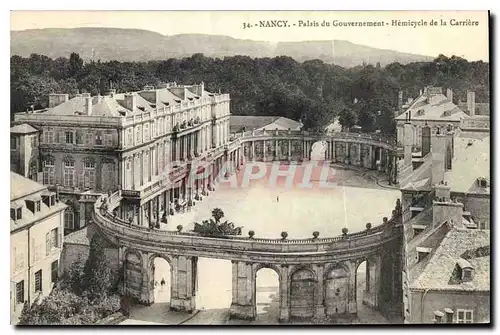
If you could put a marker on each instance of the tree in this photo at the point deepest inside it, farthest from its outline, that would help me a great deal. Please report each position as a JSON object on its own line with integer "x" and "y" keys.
{"x": 75, "y": 65}
{"x": 347, "y": 118}
{"x": 217, "y": 214}
{"x": 97, "y": 272}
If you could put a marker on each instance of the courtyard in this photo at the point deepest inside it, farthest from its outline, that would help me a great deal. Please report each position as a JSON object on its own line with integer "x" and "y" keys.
{"x": 268, "y": 208}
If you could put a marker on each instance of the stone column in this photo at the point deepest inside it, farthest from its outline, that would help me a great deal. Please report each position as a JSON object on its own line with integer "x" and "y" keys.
{"x": 253, "y": 150}
{"x": 370, "y": 296}
{"x": 141, "y": 215}
{"x": 147, "y": 287}
{"x": 359, "y": 155}
{"x": 289, "y": 149}
{"x": 333, "y": 151}
{"x": 319, "y": 310}
{"x": 150, "y": 212}
{"x": 352, "y": 307}
{"x": 284, "y": 289}
{"x": 276, "y": 150}
{"x": 158, "y": 212}
{"x": 264, "y": 151}
{"x": 347, "y": 158}
{"x": 182, "y": 296}
{"x": 243, "y": 285}
{"x": 370, "y": 156}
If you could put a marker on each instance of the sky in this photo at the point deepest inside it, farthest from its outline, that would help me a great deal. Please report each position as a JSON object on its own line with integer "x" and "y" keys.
{"x": 470, "y": 42}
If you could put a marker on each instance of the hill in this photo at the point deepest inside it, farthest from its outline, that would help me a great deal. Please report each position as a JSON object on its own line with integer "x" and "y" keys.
{"x": 143, "y": 45}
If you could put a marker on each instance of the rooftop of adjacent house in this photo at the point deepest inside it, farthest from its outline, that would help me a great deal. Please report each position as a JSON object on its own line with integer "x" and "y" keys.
{"x": 239, "y": 122}
{"x": 442, "y": 271}
{"x": 21, "y": 186}
{"x": 471, "y": 161}
{"x": 436, "y": 108}
{"x": 23, "y": 128}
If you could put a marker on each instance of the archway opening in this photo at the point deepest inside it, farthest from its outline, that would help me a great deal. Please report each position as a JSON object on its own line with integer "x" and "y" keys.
{"x": 214, "y": 284}
{"x": 362, "y": 282}
{"x": 336, "y": 291}
{"x": 318, "y": 151}
{"x": 302, "y": 294}
{"x": 162, "y": 280}
{"x": 267, "y": 296}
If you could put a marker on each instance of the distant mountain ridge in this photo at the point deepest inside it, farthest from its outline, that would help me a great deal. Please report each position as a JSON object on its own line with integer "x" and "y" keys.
{"x": 144, "y": 45}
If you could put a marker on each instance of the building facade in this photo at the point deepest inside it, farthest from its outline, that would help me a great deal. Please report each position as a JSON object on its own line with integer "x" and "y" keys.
{"x": 126, "y": 141}
{"x": 446, "y": 220}
{"x": 36, "y": 230}
{"x": 431, "y": 108}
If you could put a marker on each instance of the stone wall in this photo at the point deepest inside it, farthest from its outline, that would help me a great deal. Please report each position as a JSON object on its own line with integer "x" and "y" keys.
{"x": 479, "y": 302}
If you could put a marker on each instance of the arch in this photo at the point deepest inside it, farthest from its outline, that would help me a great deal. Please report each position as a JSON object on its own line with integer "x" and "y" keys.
{"x": 336, "y": 288}
{"x": 303, "y": 282}
{"x": 319, "y": 150}
{"x": 161, "y": 292}
{"x": 276, "y": 270}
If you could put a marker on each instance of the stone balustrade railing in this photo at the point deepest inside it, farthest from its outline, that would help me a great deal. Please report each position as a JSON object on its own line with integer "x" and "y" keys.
{"x": 300, "y": 133}
{"x": 121, "y": 228}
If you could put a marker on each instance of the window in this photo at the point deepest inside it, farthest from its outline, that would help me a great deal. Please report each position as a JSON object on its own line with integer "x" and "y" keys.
{"x": 88, "y": 139}
{"x": 98, "y": 138}
{"x": 49, "y": 171}
{"x": 69, "y": 173}
{"x": 138, "y": 135}
{"x": 13, "y": 143}
{"x": 146, "y": 132}
{"x": 89, "y": 175}
{"x": 69, "y": 137}
{"x": 38, "y": 206}
{"x": 34, "y": 141}
{"x": 48, "y": 137}
{"x": 465, "y": 315}
{"x": 13, "y": 214}
{"x": 38, "y": 281}
{"x": 108, "y": 140}
{"x": 19, "y": 214}
{"x": 54, "y": 271}
{"x": 69, "y": 217}
{"x": 130, "y": 137}
{"x": 20, "y": 292}
{"x": 52, "y": 240}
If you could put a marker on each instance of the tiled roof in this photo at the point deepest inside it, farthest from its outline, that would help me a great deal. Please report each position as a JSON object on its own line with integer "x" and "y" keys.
{"x": 101, "y": 106}
{"x": 23, "y": 129}
{"x": 236, "y": 122}
{"x": 471, "y": 161}
{"x": 21, "y": 186}
{"x": 421, "y": 109}
{"x": 440, "y": 273}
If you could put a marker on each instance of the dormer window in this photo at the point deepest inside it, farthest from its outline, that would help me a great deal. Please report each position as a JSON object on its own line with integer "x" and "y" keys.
{"x": 467, "y": 271}
{"x": 422, "y": 253}
{"x": 49, "y": 198}
{"x": 482, "y": 182}
{"x": 16, "y": 211}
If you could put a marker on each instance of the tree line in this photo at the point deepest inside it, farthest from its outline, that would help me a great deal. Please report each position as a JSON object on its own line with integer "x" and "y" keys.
{"x": 312, "y": 91}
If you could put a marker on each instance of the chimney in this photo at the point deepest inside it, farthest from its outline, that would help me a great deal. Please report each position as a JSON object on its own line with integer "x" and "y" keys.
{"x": 202, "y": 89}
{"x": 447, "y": 210}
{"x": 407, "y": 143}
{"x": 471, "y": 103}
{"x": 400, "y": 100}
{"x": 87, "y": 105}
{"x": 130, "y": 101}
{"x": 449, "y": 94}
{"x": 442, "y": 153}
{"x": 57, "y": 99}
{"x": 426, "y": 140}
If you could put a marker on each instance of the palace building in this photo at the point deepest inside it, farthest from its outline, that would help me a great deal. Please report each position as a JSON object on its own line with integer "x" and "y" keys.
{"x": 142, "y": 143}
{"x": 36, "y": 229}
